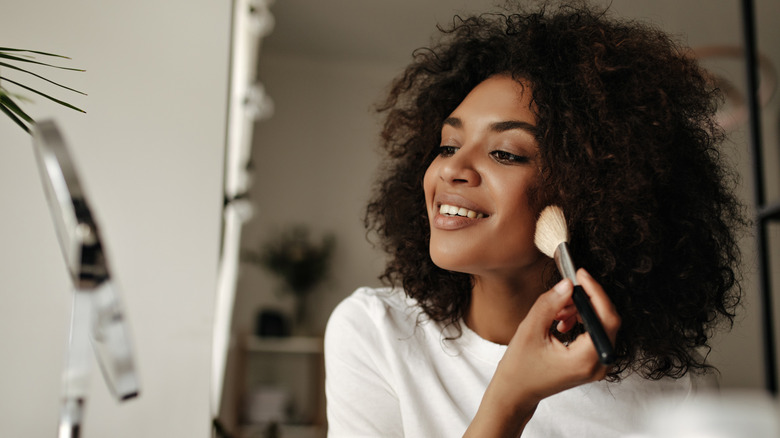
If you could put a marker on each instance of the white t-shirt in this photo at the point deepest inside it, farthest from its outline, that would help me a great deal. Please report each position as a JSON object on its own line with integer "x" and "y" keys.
{"x": 391, "y": 372}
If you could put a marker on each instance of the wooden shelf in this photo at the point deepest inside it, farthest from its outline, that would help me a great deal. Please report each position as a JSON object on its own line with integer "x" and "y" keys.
{"x": 294, "y": 363}
{"x": 288, "y": 345}
{"x": 285, "y": 431}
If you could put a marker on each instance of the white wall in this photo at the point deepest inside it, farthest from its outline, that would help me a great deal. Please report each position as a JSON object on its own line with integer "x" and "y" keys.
{"x": 150, "y": 149}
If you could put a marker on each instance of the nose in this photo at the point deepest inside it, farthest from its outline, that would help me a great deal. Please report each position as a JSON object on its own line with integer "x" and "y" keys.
{"x": 461, "y": 168}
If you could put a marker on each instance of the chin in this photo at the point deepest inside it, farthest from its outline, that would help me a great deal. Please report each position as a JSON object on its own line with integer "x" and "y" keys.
{"x": 451, "y": 262}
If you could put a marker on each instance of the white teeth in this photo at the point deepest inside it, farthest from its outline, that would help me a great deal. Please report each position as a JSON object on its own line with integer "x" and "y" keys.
{"x": 452, "y": 210}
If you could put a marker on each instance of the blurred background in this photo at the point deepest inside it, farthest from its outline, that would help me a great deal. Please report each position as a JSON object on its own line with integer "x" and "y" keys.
{"x": 154, "y": 150}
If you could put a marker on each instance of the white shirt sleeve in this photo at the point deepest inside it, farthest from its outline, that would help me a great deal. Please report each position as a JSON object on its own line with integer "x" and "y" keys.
{"x": 361, "y": 401}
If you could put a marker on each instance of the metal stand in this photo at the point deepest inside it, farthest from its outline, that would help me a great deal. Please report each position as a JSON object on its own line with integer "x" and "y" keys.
{"x": 75, "y": 378}
{"x": 96, "y": 319}
{"x": 765, "y": 214}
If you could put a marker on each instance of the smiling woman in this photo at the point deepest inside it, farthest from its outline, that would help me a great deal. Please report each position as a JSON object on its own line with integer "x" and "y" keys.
{"x": 506, "y": 114}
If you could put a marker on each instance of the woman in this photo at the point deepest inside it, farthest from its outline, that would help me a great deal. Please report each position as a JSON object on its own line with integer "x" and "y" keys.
{"x": 476, "y": 336}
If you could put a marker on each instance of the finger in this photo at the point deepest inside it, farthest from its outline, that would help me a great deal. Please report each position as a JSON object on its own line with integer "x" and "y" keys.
{"x": 567, "y": 318}
{"x": 550, "y": 303}
{"x": 601, "y": 303}
{"x": 581, "y": 351}
{"x": 566, "y": 324}
{"x": 567, "y": 312}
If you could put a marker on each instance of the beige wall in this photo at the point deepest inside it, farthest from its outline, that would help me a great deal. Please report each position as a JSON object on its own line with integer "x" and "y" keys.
{"x": 313, "y": 164}
{"x": 314, "y": 161}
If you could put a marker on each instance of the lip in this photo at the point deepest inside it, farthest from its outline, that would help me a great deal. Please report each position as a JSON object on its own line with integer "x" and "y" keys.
{"x": 449, "y": 223}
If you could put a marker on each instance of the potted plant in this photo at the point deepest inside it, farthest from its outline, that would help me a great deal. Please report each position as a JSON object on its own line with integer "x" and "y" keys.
{"x": 300, "y": 262}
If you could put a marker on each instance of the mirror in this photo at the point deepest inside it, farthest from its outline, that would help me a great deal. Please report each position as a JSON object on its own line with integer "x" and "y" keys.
{"x": 313, "y": 161}
{"x": 152, "y": 151}
{"x": 97, "y": 317}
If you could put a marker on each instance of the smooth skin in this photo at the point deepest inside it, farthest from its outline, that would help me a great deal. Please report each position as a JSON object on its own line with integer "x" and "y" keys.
{"x": 487, "y": 163}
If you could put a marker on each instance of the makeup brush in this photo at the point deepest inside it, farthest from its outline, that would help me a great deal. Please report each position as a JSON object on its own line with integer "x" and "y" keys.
{"x": 551, "y": 238}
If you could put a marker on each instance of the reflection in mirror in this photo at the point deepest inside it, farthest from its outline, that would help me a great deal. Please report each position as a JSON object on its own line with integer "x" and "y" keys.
{"x": 314, "y": 161}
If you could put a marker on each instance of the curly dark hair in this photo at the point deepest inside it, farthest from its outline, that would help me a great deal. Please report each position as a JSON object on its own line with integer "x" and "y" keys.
{"x": 628, "y": 148}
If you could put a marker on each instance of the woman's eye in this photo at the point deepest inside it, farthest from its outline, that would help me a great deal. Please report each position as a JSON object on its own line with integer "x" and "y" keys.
{"x": 509, "y": 158}
{"x": 447, "y": 151}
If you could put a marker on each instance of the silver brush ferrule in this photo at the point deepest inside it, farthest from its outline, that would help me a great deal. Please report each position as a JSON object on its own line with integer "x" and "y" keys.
{"x": 564, "y": 262}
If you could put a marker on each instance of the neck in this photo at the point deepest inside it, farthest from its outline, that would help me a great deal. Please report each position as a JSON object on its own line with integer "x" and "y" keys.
{"x": 499, "y": 305}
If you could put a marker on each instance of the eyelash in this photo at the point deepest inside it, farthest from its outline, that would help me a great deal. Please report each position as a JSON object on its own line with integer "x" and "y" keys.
{"x": 498, "y": 155}
{"x": 509, "y": 158}
{"x": 447, "y": 151}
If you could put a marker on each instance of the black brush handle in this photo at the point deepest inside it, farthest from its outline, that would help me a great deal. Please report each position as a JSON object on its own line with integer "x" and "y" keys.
{"x": 593, "y": 325}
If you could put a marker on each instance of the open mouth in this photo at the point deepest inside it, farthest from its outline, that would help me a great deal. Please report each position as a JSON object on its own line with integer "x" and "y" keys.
{"x": 453, "y": 210}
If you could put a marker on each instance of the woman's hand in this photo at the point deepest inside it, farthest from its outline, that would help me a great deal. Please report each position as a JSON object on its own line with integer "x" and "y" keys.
{"x": 539, "y": 363}
{"x": 536, "y": 365}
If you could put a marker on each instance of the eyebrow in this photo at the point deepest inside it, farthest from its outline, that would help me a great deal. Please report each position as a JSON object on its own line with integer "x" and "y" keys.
{"x": 498, "y": 126}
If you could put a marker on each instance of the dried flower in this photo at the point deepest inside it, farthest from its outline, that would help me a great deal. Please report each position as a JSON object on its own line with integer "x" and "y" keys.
{"x": 296, "y": 259}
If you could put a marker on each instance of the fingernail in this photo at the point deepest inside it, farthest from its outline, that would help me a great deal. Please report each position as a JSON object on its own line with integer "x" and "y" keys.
{"x": 562, "y": 288}
{"x": 585, "y": 273}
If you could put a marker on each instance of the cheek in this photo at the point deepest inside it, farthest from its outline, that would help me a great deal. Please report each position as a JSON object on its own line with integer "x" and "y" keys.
{"x": 526, "y": 213}
{"x": 522, "y": 214}
{"x": 429, "y": 180}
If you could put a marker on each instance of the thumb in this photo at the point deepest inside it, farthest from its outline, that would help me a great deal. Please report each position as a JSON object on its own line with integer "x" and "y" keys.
{"x": 551, "y": 302}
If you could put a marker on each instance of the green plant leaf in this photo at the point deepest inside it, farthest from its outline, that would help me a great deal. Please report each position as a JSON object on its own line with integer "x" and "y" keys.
{"x": 11, "y": 66}
{"x": 11, "y": 105}
{"x": 66, "y": 104}
{"x": 8, "y": 49}
{"x": 13, "y": 117}
{"x": 7, "y": 104}
{"x": 20, "y": 59}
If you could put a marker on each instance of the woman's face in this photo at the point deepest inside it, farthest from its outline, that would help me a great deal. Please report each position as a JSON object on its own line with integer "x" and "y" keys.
{"x": 477, "y": 188}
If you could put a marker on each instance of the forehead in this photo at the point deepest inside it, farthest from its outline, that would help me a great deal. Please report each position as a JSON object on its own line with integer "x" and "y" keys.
{"x": 499, "y": 96}
{"x": 498, "y": 104}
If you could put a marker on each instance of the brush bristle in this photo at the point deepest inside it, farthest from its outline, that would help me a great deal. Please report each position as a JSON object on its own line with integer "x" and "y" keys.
{"x": 551, "y": 230}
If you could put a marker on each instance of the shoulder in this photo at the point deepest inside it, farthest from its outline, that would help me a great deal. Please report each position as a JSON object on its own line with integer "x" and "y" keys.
{"x": 381, "y": 307}
{"x": 644, "y": 389}
{"x": 380, "y": 298}
{"x": 361, "y": 381}
{"x": 612, "y": 409}
{"x": 634, "y": 389}
{"x": 373, "y": 316}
